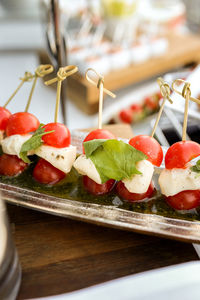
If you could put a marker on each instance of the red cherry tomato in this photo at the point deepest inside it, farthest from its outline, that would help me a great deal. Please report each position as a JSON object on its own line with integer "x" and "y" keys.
{"x": 11, "y": 165}
{"x": 45, "y": 173}
{"x": 98, "y": 189}
{"x": 149, "y": 146}
{"x": 184, "y": 200}
{"x": 132, "y": 197}
{"x": 60, "y": 138}
{"x": 136, "y": 108}
{"x": 159, "y": 95}
{"x": 150, "y": 103}
{"x": 98, "y": 134}
{"x": 21, "y": 123}
{"x": 4, "y": 116}
{"x": 126, "y": 115}
{"x": 180, "y": 153}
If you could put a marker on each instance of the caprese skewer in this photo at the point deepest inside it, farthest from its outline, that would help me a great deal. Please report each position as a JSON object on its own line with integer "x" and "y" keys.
{"x": 91, "y": 179}
{"x": 56, "y": 153}
{"x": 19, "y": 129}
{"x": 180, "y": 181}
{"x": 140, "y": 186}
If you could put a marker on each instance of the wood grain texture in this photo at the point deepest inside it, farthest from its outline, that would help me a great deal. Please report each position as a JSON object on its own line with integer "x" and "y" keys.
{"x": 60, "y": 255}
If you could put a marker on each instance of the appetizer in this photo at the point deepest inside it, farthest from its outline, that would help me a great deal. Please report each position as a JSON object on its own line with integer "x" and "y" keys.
{"x": 180, "y": 181}
{"x": 54, "y": 149}
{"x": 92, "y": 180}
{"x": 56, "y": 153}
{"x": 140, "y": 186}
{"x": 18, "y": 131}
{"x": 85, "y": 166}
{"x": 138, "y": 111}
{"x": 18, "y": 127}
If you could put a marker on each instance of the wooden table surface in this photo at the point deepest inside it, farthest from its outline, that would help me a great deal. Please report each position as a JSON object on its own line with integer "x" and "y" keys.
{"x": 60, "y": 255}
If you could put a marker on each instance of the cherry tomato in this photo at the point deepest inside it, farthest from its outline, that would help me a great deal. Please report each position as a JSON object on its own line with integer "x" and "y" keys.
{"x": 98, "y": 134}
{"x": 136, "y": 108}
{"x": 60, "y": 138}
{"x": 159, "y": 95}
{"x": 21, "y": 123}
{"x": 45, "y": 173}
{"x": 150, "y": 103}
{"x": 149, "y": 146}
{"x": 184, "y": 200}
{"x": 126, "y": 115}
{"x": 98, "y": 189}
{"x": 4, "y": 116}
{"x": 180, "y": 153}
{"x": 132, "y": 197}
{"x": 11, "y": 165}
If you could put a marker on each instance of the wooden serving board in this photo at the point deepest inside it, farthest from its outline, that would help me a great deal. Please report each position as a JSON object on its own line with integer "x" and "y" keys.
{"x": 183, "y": 49}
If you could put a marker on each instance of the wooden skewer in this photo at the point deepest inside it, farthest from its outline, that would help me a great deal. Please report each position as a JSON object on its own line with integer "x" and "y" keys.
{"x": 96, "y": 83}
{"x": 186, "y": 94}
{"x": 165, "y": 91}
{"x": 100, "y": 85}
{"x": 41, "y": 71}
{"x": 187, "y": 99}
{"x": 62, "y": 74}
{"x": 175, "y": 82}
{"x": 27, "y": 77}
{"x": 100, "y": 103}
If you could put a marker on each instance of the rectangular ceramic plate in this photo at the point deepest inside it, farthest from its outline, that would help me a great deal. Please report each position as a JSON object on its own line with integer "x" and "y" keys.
{"x": 105, "y": 215}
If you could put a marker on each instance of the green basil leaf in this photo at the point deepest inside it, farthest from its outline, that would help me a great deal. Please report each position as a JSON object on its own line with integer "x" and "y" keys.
{"x": 198, "y": 165}
{"x": 24, "y": 157}
{"x": 33, "y": 143}
{"x": 91, "y": 146}
{"x": 196, "y": 168}
{"x": 117, "y": 160}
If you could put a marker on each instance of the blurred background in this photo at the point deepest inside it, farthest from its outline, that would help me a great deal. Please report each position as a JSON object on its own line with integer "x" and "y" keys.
{"x": 130, "y": 42}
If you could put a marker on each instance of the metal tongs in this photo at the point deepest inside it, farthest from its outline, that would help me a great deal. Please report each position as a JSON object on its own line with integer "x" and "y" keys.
{"x": 56, "y": 46}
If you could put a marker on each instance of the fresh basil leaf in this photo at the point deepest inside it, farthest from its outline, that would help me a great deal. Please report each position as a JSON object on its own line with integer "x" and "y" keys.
{"x": 198, "y": 165}
{"x": 196, "y": 168}
{"x": 117, "y": 160}
{"x": 24, "y": 157}
{"x": 33, "y": 143}
{"x": 91, "y": 146}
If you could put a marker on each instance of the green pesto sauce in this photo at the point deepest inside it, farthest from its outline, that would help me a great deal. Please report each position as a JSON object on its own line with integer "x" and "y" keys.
{"x": 72, "y": 188}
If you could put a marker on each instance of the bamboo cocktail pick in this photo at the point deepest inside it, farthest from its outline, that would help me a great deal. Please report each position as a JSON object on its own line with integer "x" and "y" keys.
{"x": 165, "y": 91}
{"x": 41, "y": 71}
{"x": 186, "y": 94}
{"x": 27, "y": 78}
{"x": 62, "y": 74}
{"x": 100, "y": 85}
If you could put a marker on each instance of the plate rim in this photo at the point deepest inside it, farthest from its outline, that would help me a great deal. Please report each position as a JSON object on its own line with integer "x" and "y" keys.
{"x": 106, "y": 215}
